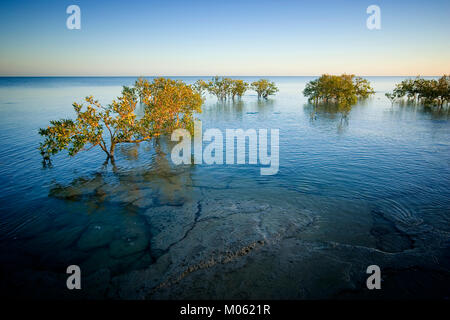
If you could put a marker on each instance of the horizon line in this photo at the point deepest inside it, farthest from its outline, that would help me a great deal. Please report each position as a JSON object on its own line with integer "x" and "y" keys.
{"x": 211, "y": 75}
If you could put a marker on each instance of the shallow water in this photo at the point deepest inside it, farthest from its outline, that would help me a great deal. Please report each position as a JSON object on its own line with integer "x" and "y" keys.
{"x": 367, "y": 187}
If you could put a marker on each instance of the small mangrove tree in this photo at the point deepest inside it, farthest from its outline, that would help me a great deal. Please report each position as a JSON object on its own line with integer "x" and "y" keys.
{"x": 343, "y": 90}
{"x": 419, "y": 90}
{"x": 167, "y": 105}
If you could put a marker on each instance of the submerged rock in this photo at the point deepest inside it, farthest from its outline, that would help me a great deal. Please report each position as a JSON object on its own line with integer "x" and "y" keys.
{"x": 78, "y": 188}
{"x": 70, "y": 193}
{"x": 101, "y": 259}
{"x": 127, "y": 246}
{"x": 125, "y": 195}
{"x": 133, "y": 239}
{"x": 202, "y": 236}
{"x": 96, "y": 236}
{"x": 388, "y": 237}
{"x": 221, "y": 208}
{"x": 144, "y": 202}
{"x": 169, "y": 224}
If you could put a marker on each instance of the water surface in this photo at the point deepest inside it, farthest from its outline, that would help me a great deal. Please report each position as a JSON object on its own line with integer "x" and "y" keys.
{"x": 368, "y": 186}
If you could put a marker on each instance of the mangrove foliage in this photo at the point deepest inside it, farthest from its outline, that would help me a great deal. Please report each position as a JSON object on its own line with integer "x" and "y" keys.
{"x": 167, "y": 105}
{"x": 343, "y": 90}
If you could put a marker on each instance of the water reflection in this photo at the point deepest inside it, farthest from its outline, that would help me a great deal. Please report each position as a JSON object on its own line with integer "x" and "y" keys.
{"x": 408, "y": 107}
{"x": 129, "y": 151}
{"x": 158, "y": 183}
{"x": 238, "y": 109}
{"x": 331, "y": 112}
{"x": 228, "y": 110}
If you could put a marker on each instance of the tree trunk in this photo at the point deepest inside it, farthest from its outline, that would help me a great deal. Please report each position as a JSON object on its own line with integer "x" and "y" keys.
{"x": 111, "y": 151}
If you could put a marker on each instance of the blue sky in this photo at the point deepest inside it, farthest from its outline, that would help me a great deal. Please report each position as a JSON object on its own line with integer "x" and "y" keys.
{"x": 245, "y": 37}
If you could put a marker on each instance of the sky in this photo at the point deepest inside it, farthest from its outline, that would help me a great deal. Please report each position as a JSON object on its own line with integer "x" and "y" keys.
{"x": 216, "y": 37}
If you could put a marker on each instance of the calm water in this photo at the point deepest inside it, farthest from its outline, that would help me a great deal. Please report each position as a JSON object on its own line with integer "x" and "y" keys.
{"x": 367, "y": 187}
